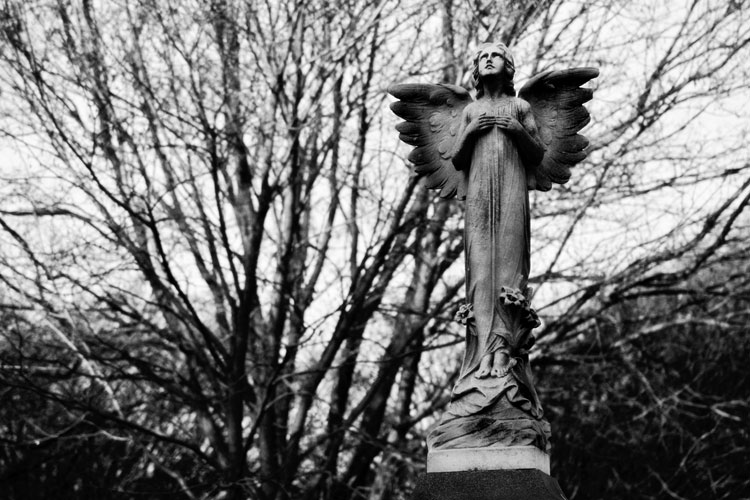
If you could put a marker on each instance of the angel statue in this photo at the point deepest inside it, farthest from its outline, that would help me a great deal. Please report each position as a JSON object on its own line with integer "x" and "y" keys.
{"x": 490, "y": 151}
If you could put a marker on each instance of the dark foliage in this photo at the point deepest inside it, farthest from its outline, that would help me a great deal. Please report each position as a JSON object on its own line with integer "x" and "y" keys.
{"x": 662, "y": 416}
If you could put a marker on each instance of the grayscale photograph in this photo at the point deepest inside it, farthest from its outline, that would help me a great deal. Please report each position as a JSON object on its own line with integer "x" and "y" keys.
{"x": 374, "y": 250}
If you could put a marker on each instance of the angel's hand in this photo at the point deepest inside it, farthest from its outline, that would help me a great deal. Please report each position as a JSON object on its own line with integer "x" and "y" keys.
{"x": 481, "y": 123}
{"x": 509, "y": 123}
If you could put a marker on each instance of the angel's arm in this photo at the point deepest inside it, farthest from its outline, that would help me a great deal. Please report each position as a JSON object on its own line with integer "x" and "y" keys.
{"x": 533, "y": 150}
{"x": 525, "y": 135}
{"x": 461, "y": 153}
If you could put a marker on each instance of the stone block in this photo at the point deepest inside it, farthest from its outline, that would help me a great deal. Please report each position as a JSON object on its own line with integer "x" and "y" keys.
{"x": 465, "y": 459}
{"x": 518, "y": 484}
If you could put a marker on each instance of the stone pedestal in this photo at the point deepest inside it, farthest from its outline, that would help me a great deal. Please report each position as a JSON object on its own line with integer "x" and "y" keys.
{"x": 508, "y": 484}
{"x": 466, "y": 459}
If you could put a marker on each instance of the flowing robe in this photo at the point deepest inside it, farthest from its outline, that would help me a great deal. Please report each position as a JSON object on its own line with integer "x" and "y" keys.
{"x": 495, "y": 411}
{"x": 496, "y": 227}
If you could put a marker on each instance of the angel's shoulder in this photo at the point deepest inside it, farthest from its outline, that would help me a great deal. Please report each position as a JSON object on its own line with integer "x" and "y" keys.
{"x": 471, "y": 110}
{"x": 523, "y": 108}
{"x": 471, "y": 107}
{"x": 523, "y": 104}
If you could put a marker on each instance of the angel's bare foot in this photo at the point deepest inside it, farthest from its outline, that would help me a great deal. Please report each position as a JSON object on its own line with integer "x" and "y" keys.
{"x": 501, "y": 364}
{"x": 484, "y": 366}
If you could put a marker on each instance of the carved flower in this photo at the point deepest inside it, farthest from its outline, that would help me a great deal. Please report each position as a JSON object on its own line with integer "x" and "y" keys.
{"x": 464, "y": 313}
{"x": 525, "y": 313}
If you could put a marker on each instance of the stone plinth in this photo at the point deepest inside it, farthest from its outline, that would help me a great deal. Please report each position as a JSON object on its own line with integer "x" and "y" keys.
{"x": 467, "y": 459}
{"x": 518, "y": 484}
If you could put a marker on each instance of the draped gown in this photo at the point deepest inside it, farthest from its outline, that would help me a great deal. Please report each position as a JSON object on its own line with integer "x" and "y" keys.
{"x": 492, "y": 411}
{"x": 496, "y": 228}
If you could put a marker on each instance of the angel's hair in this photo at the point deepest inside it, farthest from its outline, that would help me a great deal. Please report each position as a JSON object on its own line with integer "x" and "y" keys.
{"x": 508, "y": 88}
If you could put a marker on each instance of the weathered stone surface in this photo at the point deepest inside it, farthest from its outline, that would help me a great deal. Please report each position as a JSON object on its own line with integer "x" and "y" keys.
{"x": 520, "y": 484}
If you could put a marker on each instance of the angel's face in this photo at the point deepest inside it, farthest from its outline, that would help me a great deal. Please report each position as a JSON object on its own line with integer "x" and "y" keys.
{"x": 492, "y": 62}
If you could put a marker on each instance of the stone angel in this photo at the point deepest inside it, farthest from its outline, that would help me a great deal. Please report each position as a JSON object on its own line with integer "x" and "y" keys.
{"x": 490, "y": 151}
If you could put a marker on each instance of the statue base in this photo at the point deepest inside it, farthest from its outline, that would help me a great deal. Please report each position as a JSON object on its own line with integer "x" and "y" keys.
{"x": 509, "y": 484}
{"x": 467, "y": 459}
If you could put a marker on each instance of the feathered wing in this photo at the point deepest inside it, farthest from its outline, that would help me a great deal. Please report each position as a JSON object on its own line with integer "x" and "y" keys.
{"x": 556, "y": 99}
{"x": 433, "y": 117}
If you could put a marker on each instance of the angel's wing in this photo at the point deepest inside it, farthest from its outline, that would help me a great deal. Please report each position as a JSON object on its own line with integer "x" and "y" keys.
{"x": 433, "y": 117}
{"x": 556, "y": 100}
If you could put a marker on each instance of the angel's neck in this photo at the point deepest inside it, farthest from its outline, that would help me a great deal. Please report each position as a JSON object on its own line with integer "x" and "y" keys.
{"x": 494, "y": 88}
